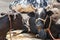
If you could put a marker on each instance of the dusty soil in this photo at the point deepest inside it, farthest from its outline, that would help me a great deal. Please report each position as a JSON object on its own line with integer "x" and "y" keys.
{"x": 15, "y": 35}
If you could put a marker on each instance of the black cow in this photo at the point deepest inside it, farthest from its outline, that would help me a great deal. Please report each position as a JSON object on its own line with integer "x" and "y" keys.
{"x": 37, "y": 27}
{"x": 4, "y": 27}
{"x": 5, "y": 24}
{"x": 54, "y": 27}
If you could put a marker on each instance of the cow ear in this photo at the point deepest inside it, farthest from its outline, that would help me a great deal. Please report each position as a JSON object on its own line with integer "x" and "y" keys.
{"x": 49, "y": 13}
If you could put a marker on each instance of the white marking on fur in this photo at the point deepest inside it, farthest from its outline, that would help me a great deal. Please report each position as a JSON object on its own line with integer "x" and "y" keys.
{"x": 40, "y": 10}
{"x": 26, "y": 17}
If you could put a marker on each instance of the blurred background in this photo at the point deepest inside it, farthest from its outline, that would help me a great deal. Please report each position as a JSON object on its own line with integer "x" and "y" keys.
{"x": 4, "y": 5}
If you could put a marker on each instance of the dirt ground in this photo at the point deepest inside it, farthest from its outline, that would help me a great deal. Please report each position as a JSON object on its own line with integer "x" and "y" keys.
{"x": 15, "y": 35}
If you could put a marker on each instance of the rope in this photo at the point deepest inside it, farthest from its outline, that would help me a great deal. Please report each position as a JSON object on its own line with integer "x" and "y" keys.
{"x": 10, "y": 26}
{"x": 48, "y": 29}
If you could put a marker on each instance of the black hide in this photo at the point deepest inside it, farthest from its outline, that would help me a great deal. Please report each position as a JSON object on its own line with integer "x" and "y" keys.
{"x": 17, "y": 23}
{"x": 4, "y": 27}
{"x": 33, "y": 27}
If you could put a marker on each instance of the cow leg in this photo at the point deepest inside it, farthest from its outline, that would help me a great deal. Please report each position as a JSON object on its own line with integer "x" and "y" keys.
{"x": 25, "y": 30}
{"x": 3, "y": 38}
{"x": 33, "y": 27}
